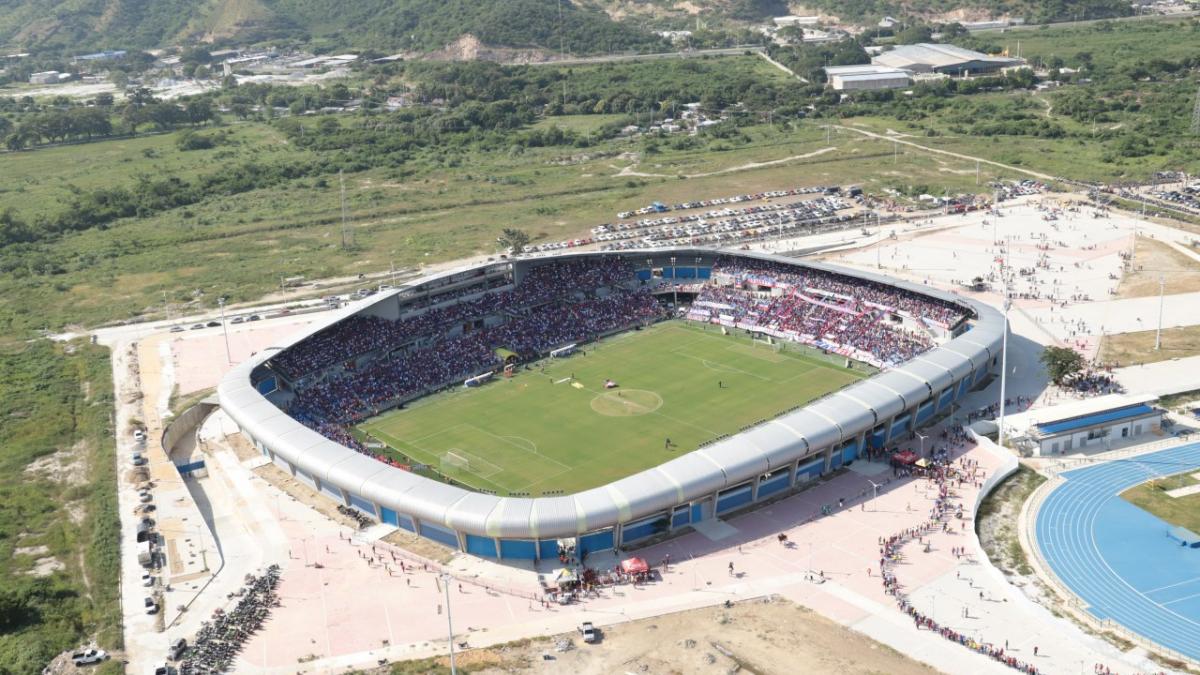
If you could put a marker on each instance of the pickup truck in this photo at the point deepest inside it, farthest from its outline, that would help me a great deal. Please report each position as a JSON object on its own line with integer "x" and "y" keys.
{"x": 589, "y": 632}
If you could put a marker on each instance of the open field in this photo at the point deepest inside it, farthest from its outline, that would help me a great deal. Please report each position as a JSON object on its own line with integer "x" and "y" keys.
{"x": 239, "y": 246}
{"x": 1152, "y": 496}
{"x": 677, "y": 382}
{"x": 756, "y": 636}
{"x": 1153, "y": 260}
{"x": 1138, "y": 347}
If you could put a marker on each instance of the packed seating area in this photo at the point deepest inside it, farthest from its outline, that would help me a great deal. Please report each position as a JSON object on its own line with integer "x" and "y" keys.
{"x": 364, "y": 334}
{"x": 821, "y": 308}
{"x": 555, "y": 304}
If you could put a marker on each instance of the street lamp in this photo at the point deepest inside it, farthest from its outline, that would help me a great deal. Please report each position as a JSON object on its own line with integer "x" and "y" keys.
{"x": 225, "y": 328}
{"x": 449, "y": 623}
{"x": 922, "y": 437}
{"x": 874, "y": 492}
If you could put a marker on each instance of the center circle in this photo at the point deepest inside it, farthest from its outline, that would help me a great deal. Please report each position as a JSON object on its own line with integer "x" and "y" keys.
{"x": 627, "y": 402}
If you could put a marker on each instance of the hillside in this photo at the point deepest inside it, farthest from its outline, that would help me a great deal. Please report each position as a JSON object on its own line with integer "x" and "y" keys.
{"x": 388, "y": 26}
{"x": 384, "y": 25}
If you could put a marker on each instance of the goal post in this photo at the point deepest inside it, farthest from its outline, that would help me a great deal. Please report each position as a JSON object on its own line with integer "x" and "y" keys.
{"x": 455, "y": 461}
{"x": 563, "y": 351}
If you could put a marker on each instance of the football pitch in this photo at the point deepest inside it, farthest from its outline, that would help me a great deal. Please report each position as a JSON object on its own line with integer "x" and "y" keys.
{"x": 543, "y": 432}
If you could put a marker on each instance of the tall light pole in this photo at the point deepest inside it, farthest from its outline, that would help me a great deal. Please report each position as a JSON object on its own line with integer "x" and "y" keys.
{"x": 449, "y": 623}
{"x": 1003, "y": 360}
{"x": 225, "y": 328}
{"x": 1162, "y": 284}
{"x": 922, "y": 437}
{"x": 675, "y": 285}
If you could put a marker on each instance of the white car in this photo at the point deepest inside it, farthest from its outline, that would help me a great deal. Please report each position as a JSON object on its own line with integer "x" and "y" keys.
{"x": 139, "y": 435}
{"x": 147, "y": 580}
{"x": 88, "y": 657}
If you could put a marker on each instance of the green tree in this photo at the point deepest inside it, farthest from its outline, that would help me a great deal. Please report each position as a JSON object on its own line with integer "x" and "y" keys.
{"x": 1061, "y": 363}
{"x": 513, "y": 240}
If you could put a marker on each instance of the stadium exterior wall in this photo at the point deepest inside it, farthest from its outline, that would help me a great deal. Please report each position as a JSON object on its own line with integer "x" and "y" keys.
{"x": 801, "y": 444}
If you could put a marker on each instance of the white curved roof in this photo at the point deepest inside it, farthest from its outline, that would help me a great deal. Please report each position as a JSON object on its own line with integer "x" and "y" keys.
{"x": 840, "y": 417}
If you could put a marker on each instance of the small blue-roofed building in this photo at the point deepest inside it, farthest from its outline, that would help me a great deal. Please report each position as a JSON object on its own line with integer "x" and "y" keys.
{"x": 1102, "y": 421}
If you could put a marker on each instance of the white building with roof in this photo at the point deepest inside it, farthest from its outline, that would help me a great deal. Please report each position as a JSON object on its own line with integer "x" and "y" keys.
{"x": 1093, "y": 422}
{"x": 927, "y": 57}
{"x": 866, "y": 77}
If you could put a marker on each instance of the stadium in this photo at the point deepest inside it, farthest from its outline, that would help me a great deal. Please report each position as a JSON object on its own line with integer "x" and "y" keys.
{"x": 605, "y": 400}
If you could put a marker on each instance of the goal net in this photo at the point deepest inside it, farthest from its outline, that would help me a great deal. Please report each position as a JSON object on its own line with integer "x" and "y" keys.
{"x": 563, "y": 351}
{"x": 455, "y": 461}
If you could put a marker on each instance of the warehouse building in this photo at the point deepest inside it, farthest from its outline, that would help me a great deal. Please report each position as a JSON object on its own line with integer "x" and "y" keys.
{"x": 946, "y": 59}
{"x": 866, "y": 77}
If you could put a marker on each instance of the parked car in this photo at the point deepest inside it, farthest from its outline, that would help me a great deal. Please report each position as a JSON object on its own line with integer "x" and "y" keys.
{"x": 254, "y": 317}
{"x": 197, "y": 326}
{"x": 589, "y": 632}
{"x": 177, "y": 649}
{"x": 237, "y": 319}
{"x": 213, "y": 324}
{"x": 151, "y": 605}
{"x": 147, "y": 579}
{"x": 177, "y": 329}
{"x": 138, "y": 460}
{"x": 89, "y": 656}
{"x": 164, "y": 669}
{"x": 146, "y": 497}
{"x": 139, "y": 435}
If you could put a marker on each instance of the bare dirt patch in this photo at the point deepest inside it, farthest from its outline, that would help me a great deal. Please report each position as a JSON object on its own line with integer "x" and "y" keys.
{"x": 65, "y": 466}
{"x": 44, "y": 567}
{"x": 754, "y": 637}
{"x": 1153, "y": 260}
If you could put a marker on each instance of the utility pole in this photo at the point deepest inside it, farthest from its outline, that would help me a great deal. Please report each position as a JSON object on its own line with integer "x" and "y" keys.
{"x": 342, "y": 180}
{"x": 1162, "y": 284}
{"x": 449, "y": 624}
{"x": 1196, "y": 115}
{"x": 1003, "y": 359}
{"x": 225, "y": 328}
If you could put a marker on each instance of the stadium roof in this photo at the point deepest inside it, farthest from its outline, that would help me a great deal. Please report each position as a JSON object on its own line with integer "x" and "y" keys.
{"x": 936, "y": 56}
{"x": 838, "y": 418}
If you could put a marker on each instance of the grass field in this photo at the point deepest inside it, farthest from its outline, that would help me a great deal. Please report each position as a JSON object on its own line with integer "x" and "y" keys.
{"x": 541, "y": 432}
{"x": 1152, "y": 496}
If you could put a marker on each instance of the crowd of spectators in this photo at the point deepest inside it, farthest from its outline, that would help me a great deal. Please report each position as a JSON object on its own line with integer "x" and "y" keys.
{"x": 358, "y": 334}
{"x": 1094, "y": 383}
{"x": 821, "y": 308}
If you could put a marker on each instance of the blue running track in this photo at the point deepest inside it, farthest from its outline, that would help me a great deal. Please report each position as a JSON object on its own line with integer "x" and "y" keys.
{"x": 1117, "y": 557}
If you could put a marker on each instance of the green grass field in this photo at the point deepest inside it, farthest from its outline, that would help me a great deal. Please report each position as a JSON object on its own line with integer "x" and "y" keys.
{"x": 1152, "y": 496}
{"x": 539, "y": 432}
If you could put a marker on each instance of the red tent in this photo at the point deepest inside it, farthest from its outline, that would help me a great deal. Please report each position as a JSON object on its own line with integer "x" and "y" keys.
{"x": 634, "y": 566}
{"x": 906, "y": 457}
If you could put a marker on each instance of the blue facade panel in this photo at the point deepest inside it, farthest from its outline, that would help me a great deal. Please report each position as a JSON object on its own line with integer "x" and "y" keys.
{"x": 596, "y": 541}
{"x": 704, "y": 273}
{"x": 835, "y": 461}
{"x": 964, "y": 386}
{"x": 681, "y": 517}
{"x": 685, "y": 272}
{"x": 481, "y": 546}
{"x": 945, "y": 398}
{"x": 362, "y": 504}
{"x": 773, "y": 485}
{"x": 389, "y": 516}
{"x": 668, "y": 273}
{"x": 441, "y": 535}
{"x": 645, "y": 275}
{"x": 900, "y": 426}
{"x": 548, "y": 548}
{"x": 405, "y": 523}
{"x": 924, "y": 412}
{"x": 331, "y": 490}
{"x": 811, "y": 470}
{"x": 732, "y": 499}
{"x": 850, "y": 452}
{"x": 519, "y": 549}
{"x": 697, "y": 513}
{"x": 647, "y": 527}
{"x": 879, "y": 438}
